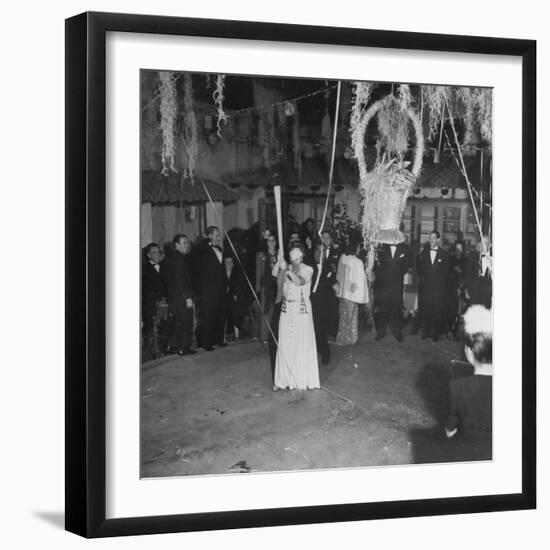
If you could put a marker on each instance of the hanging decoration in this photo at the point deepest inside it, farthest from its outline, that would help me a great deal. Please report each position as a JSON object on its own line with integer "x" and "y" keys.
{"x": 474, "y": 105}
{"x": 360, "y": 99}
{"x": 462, "y": 167}
{"x": 393, "y": 129}
{"x": 484, "y": 109}
{"x": 189, "y": 132}
{"x": 433, "y": 97}
{"x": 168, "y": 113}
{"x": 405, "y": 97}
{"x": 384, "y": 190}
{"x": 218, "y": 101}
{"x": 151, "y": 135}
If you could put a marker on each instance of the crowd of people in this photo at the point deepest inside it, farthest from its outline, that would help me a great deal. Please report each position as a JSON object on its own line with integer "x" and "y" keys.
{"x": 205, "y": 291}
{"x": 199, "y": 290}
{"x": 310, "y": 292}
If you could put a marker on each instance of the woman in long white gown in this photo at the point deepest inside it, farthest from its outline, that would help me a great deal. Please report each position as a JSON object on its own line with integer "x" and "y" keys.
{"x": 296, "y": 364}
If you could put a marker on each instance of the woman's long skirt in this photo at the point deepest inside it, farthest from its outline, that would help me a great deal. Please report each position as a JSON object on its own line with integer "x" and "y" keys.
{"x": 296, "y": 364}
{"x": 347, "y": 325}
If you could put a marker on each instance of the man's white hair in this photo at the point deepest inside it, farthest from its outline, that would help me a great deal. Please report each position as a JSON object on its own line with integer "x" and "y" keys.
{"x": 478, "y": 319}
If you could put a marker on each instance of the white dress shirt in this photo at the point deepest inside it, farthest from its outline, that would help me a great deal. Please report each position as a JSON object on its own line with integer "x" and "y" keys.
{"x": 218, "y": 253}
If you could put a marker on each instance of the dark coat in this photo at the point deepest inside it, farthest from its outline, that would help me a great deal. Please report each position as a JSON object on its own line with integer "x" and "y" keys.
{"x": 324, "y": 299}
{"x": 458, "y": 270}
{"x": 152, "y": 282}
{"x": 176, "y": 272}
{"x": 389, "y": 272}
{"x": 234, "y": 284}
{"x": 208, "y": 272}
{"x": 479, "y": 286}
{"x": 434, "y": 277}
{"x": 152, "y": 290}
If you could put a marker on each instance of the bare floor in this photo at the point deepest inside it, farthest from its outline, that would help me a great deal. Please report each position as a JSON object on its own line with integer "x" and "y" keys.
{"x": 381, "y": 403}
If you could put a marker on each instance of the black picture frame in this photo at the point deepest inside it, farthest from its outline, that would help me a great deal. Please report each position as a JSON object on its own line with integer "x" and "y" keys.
{"x": 86, "y": 285}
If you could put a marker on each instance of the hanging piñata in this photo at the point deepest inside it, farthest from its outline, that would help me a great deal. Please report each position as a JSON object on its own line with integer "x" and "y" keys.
{"x": 383, "y": 191}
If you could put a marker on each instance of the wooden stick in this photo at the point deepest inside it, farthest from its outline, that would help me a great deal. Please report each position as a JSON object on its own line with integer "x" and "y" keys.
{"x": 278, "y": 209}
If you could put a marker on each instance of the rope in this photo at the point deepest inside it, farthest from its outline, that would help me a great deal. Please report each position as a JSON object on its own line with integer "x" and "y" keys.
{"x": 283, "y": 102}
{"x": 250, "y": 285}
{"x": 331, "y": 173}
{"x": 465, "y": 174}
{"x": 258, "y": 107}
{"x": 455, "y": 158}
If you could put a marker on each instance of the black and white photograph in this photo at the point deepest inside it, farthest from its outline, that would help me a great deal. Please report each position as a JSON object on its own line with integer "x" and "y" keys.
{"x": 316, "y": 273}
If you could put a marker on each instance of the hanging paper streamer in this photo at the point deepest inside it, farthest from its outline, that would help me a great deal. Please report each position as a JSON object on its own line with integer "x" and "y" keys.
{"x": 218, "y": 100}
{"x": 190, "y": 139}
{"x": 168, "y": 113}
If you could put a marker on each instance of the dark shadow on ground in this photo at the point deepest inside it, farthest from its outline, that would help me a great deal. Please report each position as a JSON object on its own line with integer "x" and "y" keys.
{"x": 430, "y": 445}
{"x": 57, "y": 519}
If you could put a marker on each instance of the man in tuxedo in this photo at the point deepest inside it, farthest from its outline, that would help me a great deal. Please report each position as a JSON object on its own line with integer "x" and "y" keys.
{"x": 323, "y": 314}
{"x": 210, "y": 279}
{"x": 479, "y": 275}
{"x": 330, "y": 267}
{"x": 433, "y": 272}
{"x": 177, "y": 277}
{"x": 152, "y": 285}
{"x": 392, "y": 262}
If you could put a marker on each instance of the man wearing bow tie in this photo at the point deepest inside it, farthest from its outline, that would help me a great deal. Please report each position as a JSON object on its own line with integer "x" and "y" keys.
{"x": 330, "y": 266}
{"x": 433, "y": 272}
{"x": 392, "y": 262}
{"x": 152, "y": 285}
{"x": 479, "y": 275}
{"x": 210, "y": 280}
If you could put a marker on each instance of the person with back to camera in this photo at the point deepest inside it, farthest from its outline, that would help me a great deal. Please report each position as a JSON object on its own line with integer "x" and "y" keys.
{"x": 352, "y": 290}
{"x": 296, "y": 365}
{"x": 469, "y": 422}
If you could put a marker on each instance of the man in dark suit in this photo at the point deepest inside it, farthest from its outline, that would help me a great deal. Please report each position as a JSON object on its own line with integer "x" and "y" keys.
{"x": 479, "y": 275}
{"x": 321, "y": 297}
{"x": 210, "y": 279}
{"x": 152, "y": 285}
{"x": 331, "y": 256}
{"x": 177, "y": 277}
{"x": 433, "y": 272}
{"x": 392, "y": 262}
{"x": 234, "y": 310}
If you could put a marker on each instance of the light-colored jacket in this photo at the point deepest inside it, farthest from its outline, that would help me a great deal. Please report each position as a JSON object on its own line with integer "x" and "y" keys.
{"x": 352, "y": 280}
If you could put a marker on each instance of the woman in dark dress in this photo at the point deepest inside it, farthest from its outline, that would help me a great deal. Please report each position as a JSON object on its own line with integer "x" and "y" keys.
{"x": 470, "y": 420}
